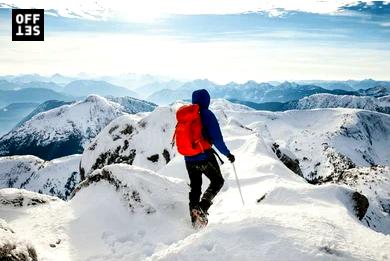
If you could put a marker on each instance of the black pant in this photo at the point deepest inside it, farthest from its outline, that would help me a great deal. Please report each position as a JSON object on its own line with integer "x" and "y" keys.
{"x": 212, "y": 171}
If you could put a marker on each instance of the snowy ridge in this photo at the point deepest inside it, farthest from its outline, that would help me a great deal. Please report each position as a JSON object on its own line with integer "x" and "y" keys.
{"x": 57, "y": 177}
{"x": 222, "y": 104}
{"x": 130, "y": 139}
{"x": 67, "y": 129}
{"x": 143, "y": 141}
{"x": 133, "y": 105}
{"x": 344, "y": 101}
{"x": 384, "y": 101}
{"x": 57, "y": 123}
{"x": 317, "y": 145}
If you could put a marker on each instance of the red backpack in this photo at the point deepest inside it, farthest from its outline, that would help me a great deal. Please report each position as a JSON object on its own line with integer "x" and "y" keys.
{"x": 188, "y": 132}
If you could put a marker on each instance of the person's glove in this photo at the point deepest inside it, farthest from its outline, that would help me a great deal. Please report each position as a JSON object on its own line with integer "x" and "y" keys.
{"x": 231, "y": 158}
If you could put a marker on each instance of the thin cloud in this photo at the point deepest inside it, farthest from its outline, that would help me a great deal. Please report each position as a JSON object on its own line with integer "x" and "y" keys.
{"x": 152, "y": 10}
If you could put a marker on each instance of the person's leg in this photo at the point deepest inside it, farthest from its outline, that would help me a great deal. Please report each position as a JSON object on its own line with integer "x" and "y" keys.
{"x": 195, "y": 176}
{"x": 213, "y": 173}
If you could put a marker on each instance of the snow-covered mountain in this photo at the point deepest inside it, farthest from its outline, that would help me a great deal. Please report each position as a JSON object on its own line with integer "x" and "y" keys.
{"x": 376, "y": 91}
{"x": 57, "y": 177}
{"x": 348, "y": 85}
{"x": 132, "y": 105}
{"x": 46, "y": 106}
{"x": 140, "y": 212}
{"x": 325, "y": 100}
{"x": 67, "y": 129}
{"x": 343, "y": 101}
{"x": 384, "y": 101}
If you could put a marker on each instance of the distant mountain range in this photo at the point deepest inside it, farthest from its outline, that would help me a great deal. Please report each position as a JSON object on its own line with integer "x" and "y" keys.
{"x": 350, "y": 85}
{"x": 102, "y": 88}
{"x": 27, "y": 78}
{"x": 38, "y": 91}
{"x": 249, "y": 91}
{"x": 12, "y": 114}
{"x": 150, "y": 88}
{"x": 31, "y": 95}
{"x": 128, "y": 80}
{"x": 324, "y": 100}
{"x": 163, "y": 90}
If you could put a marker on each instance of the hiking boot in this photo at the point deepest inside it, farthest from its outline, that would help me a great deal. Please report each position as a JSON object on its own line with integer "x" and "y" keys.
{"x": 198, "y": 217}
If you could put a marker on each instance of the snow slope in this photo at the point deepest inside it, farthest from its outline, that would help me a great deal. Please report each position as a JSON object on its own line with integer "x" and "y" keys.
{"x": 360, "y": 135}
{"x": 65, "y": 130}
{"x": 126, "y": 212}
{"x": 321, "y": 149}
{"x": 122, "y": 212}
{"x": 57, "y": 177}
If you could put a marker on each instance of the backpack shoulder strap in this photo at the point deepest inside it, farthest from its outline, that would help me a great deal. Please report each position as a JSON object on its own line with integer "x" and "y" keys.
{"x": 219, "y": 157}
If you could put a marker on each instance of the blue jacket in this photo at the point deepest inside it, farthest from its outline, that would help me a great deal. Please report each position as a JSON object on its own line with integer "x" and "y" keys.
{"x": 211, "y": 130}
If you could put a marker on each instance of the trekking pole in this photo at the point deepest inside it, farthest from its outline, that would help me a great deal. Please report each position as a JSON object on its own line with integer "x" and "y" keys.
{"x": 238, "y": 184}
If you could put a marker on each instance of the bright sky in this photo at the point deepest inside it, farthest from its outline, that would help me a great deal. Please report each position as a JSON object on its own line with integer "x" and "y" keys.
{"x": 220, "y": 40}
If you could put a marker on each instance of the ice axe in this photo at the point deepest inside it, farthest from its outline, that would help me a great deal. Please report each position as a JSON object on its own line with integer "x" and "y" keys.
{"x": 238, "y": 184}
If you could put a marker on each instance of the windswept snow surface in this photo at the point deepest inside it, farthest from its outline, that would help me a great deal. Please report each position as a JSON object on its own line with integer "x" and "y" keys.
{"x": 123, "y": 212}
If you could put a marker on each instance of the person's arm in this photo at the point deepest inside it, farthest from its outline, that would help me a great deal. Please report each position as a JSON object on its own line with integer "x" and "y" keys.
{"x": 214, "y": 132}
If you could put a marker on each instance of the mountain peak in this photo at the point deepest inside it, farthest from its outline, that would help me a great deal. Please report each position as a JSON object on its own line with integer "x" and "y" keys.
{"x": 96, "y": 99}
{"x": 67, "y": 129}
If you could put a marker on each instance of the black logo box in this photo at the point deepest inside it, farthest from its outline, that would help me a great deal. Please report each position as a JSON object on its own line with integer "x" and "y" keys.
{"x": 28, "y": 25}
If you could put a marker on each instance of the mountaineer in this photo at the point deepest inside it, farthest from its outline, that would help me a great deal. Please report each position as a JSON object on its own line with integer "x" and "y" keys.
{"x": 197, "y": 130}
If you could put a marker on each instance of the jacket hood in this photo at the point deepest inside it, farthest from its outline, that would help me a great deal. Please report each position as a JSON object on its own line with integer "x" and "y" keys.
{"x": 202, "y": 98}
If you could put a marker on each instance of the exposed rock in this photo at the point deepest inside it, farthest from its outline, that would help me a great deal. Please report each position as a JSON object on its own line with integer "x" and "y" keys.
{"x": 112, "y": 157}
{"x": 166, "y": 156}
{"x": 292, "y": 164}
{"x": 12, "y": 248}
{"x": 130, "y": 196}
{"x": 22, "y": 198}
{"x": 142, "y": 140}
{"x": 153, "y": 158}
{"x": 360, "y": 204}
